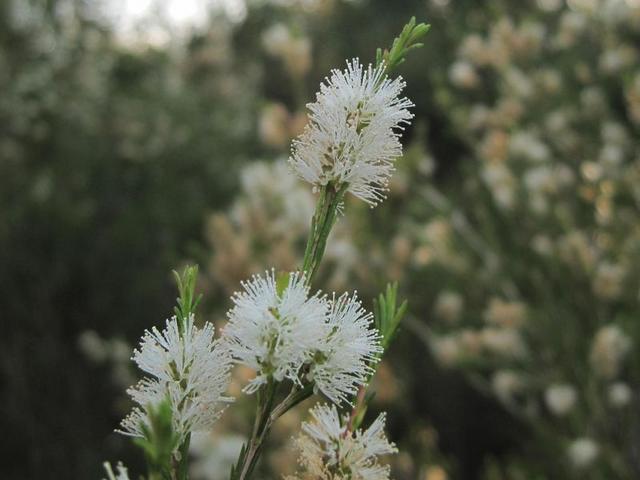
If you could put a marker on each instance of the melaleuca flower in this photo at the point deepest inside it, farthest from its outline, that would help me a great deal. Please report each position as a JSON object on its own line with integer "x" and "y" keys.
{"x": 274, "y": 332}
{"x": 353, "y": 132}
{"x": 330, "y": 452}
{"x": 343, "y": 360}
{"x": 120, "y": 474}
{"x": 188, "y": 369}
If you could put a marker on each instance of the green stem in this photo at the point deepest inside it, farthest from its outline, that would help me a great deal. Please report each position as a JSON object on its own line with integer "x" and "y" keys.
{"x": 260, "y": 430}
{"x": 182, "y": 472}
{"x": 331, "y": 197}
{"x": 266, "y": 416}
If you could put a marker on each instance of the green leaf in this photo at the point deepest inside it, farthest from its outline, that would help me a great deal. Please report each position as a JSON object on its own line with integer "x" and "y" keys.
{"x": 402, "y": 45}
{"x": 187, "y": 301}
{"x": 387, "y": 317}
{"x": 282, "y": 282}
{"x": 160, "y": 441}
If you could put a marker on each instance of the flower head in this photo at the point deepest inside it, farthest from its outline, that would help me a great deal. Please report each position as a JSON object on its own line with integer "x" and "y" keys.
{"x": 353, "y": 132}
{"x": 188, "y": 369}
{"x": 272, "y": 331}
{"x": 344, "y": 357}
{"x": 328, "y": 451}
{"x": 279, "y": 330}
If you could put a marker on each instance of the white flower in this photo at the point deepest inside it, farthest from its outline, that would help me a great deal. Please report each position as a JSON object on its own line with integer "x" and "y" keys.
{"x": 448, "y": 306}
{"x": 502, "y": 184}
{"x": 463, "y": 74}
{"x": 608, "y": 282}
{"x": 505, "y": 314}
{"x": 189, "y": 369}
{"x": 610, "y": 347}
{"x": 121, "y": 472}
{"x": 560, "y": 398}
{"x": 582, "y": 452}
{"x": 353, "y": 132}
{"x": 527, "y": 145}
{"x": 342, "y": 363}
{"x": 619, "y": 395}
{"x": 329, "y": 452}
{"x": 505, "y": 342}
{"x": 275, "y": 332}
{"x": 289, "y": 335}
{"x": 506, "y": 385}
{"x": 447, "y": 349}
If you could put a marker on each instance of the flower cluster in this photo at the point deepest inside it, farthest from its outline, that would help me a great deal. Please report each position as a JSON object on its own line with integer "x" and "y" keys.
{"x": 278, "y": 329}
{"x": 352, "y": 137}
{"x": 187, "y": 368}
{"x": 330, "y": 451}
{"x": 291, "y": 338}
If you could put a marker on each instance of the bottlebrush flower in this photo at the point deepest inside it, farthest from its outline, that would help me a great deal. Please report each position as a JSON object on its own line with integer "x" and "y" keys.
{"x": 353, "y": 132}
{"x": 343, "y": 361}
{"x": 329, "y": 452}
{"x": 290, "y": 335}
{"x": 189, "y": 369}
{"x": 275, "y": 332}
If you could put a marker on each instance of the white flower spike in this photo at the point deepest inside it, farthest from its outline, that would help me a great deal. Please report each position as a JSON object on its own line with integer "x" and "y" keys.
{"x": 329, "y": 452}
{"x": 353, "y": 132}
{"x": 275, "y": 332}
{"x": 189, "y": 369}
{"x": 343, "y": 362}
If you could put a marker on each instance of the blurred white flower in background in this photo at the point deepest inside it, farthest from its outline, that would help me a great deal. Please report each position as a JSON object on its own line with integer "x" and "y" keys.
{"x": 583, "y": 452}
{"x": 448, "y": 306}
{"x": 609, "y": 348}
{"x": 294, "y": 50}
{"x": 502, "y": 184}
{"x": 505, "y": 342}
{"x": 506, "y": 384}
{"x": 446, "y": 349}
{"x": 560, "y": 398}
{"x": 619, "y": 394}
{"x": 502, "y": 313}
{"x": 463, "y": 74}
{"x": 608, "y": 280}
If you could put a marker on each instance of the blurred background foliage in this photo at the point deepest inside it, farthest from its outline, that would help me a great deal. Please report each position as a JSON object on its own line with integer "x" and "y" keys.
{"x": 128, "y": 148}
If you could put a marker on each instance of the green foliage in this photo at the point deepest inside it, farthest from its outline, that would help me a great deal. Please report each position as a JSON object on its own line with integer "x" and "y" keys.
{"x": 159, "y": 442}
{"x": 387, "y": 315}
{"x": 187, "y": 301}
{"x": 282, "y": 282}
{"x": 405, "y": 42}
